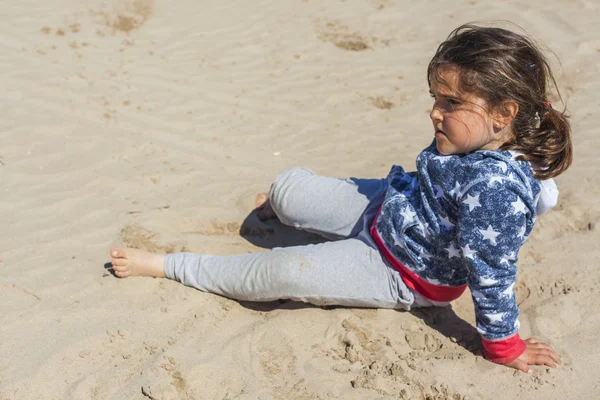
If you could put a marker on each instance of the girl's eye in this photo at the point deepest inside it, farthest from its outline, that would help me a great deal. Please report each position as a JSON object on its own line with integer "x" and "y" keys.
{"x": 451, "y": 100}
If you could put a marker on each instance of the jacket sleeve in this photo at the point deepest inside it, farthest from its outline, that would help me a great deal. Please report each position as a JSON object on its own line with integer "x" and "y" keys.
{"x": 494, "y": 217}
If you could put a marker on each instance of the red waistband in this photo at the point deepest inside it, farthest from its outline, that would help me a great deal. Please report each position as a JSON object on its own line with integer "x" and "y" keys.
{"x": 412, "y": 280}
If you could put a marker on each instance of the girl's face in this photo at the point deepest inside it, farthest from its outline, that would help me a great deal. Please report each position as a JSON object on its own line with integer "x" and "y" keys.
{"x": 462, "y": 122}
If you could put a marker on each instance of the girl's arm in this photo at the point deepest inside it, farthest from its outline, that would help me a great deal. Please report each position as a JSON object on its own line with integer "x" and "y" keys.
{"x": 494, "y": 220}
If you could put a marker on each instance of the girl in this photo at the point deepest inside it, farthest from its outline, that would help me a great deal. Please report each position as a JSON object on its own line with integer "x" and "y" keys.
{"x": 418, "y": 239}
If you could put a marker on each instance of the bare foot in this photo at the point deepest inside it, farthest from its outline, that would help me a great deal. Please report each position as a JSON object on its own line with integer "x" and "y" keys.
{"x": 264, "y": 211}
{"x": 133, "y": 262}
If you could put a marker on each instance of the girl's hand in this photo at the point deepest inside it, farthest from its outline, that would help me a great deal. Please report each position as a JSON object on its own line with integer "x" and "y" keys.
{"x": 536, "y": 353}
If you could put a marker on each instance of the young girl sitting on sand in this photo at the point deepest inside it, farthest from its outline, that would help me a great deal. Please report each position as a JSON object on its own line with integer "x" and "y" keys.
{"x": 418, "y": 239}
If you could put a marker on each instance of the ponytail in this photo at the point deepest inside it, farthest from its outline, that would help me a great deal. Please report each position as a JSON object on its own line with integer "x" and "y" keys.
{"x": 548, "y": 146}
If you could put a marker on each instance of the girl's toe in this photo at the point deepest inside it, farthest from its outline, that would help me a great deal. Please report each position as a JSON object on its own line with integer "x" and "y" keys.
{"x": 117, "y": 252}
{"x": 122, "y": 274}
{"x": 119, "y": 262}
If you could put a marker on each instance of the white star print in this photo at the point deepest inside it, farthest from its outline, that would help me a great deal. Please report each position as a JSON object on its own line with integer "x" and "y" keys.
{"x": 495, "y": 318}
{"x": 507, "y": 258}
{"x": 494, "y": 179}
{"x": 502, "y": 165}
{"x": 433, "y": 281}
{"x": 408, "y": 215}
{"x": 521, "y": 233}
{"x": 468, "y": 253}
{"x": 477, "y": 294}
{"x": 438, "y": 192}
{"x": 489, "y": 234}
{"x": 442, "y": 159}
{"x": 518, "y": 206}
{"x": 472, "y": 201}
{"x": 446, "y": 222}
{"x": 397, "y": 241}
{"x": 425, "y": 255}
{"x": 517, "y": 324}
{"x": 452, "y": 251}
{"x": 509, "y": 290}
{"x": 484, "y": 282}
{"x": 454, "y": 192}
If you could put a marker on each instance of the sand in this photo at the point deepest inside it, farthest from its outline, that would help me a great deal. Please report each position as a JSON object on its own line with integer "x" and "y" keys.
{"x": 155, "y": 123}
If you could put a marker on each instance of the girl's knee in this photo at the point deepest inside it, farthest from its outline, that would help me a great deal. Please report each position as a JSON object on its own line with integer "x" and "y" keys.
{"x": 283, "y": 191}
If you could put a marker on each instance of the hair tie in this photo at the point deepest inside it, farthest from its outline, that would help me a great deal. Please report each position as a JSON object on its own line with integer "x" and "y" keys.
{"x": 539, "y": 116}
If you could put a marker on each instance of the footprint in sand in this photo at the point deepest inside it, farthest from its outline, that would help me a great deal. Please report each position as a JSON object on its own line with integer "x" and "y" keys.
{"x": 389, "y": 367}
{"x": 123, "y": 15}
{"x": 381, "y": 370}
{"x": 344, "y": 38}
{"x": 164, "y": 381}
{"x": 421, "y": 341}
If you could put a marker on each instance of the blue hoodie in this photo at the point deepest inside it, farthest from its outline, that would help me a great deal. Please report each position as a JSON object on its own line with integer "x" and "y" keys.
{"x": 460, "y": 221}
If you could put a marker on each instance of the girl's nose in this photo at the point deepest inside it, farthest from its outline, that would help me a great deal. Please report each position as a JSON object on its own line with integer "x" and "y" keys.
{"x": 435, "y": 114}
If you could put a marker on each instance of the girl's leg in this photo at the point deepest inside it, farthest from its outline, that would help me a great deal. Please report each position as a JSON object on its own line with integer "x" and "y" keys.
{"x": 349, "y": 272}
{"x": 331, "y": 207}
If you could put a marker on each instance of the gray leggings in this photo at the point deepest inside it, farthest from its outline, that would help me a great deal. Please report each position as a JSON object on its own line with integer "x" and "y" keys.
{"x": 349, "y": 271}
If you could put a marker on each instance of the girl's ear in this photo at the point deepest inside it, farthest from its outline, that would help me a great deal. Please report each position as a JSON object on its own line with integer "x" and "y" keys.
{"x": 505, "y": 113}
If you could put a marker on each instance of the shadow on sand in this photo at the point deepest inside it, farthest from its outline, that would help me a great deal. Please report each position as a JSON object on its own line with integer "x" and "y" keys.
{"x": 272, "y": 233}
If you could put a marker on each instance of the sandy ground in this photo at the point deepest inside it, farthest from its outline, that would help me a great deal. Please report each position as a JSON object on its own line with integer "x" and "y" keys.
{"x": 155, "y": 123}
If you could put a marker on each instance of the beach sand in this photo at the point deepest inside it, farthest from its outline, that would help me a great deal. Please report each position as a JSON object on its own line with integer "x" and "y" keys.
{"x": 154, "y": 124}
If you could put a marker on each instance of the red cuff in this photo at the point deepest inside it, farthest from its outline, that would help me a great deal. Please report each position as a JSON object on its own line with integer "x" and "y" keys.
{"x": 505, "y": 350}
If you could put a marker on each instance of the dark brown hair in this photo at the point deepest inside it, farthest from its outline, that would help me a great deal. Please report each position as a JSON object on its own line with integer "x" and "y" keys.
{"x": 499, "y": 65}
